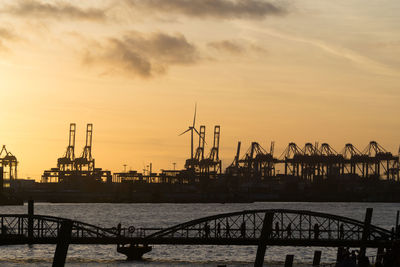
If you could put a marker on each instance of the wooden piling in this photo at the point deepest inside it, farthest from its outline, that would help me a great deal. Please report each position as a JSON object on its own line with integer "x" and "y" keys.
{"x": 30, "y": 218}
{"x": 63, "y": 240}
{"x": 1, "y": 180}
{"x": 339, "y": 255}
{"x": 379, "y": 254}
{"x": 365, "y": 233}
{"x": 266, "y": 232}
{"x": 289, "y": 260}
{"x": 317, "y": 258}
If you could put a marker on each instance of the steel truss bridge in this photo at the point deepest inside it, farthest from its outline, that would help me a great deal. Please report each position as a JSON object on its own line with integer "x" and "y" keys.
{"x": 270, "y": 227}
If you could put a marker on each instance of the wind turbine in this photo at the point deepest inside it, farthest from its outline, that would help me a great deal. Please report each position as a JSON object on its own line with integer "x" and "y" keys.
{"x": 191, "y": 129}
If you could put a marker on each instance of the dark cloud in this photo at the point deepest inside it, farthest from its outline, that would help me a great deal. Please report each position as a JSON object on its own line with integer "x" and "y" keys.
{"x": 229, "y": 46}
{"x": 57, "y": 10}
{"x": 222, "y": 9}
{"x": 236, "y": 47}
{"x": 143, "y": 55}
{"x": 6, "y": 35}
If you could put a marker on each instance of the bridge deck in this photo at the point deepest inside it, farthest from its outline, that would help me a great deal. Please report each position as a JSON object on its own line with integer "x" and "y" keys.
{"x": 17, "y": 240}
{"x": 289, "y": 228}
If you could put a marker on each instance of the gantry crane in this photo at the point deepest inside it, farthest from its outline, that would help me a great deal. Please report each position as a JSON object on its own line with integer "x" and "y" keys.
{"x": 8, "y": 162}
{"x": 86, "y": 162}
{"x": 66, "y": 163}
{"x": 199, "y": 156}
{"x": 379, "y": 159}
{"x": 257, "y": 163}
{"x": 331, "y": 162}
{"x": 292, "y": 157}
{"x": 212, "y": 164}
{"x": 77, "y": 171}
{"x": 193, "y": 164}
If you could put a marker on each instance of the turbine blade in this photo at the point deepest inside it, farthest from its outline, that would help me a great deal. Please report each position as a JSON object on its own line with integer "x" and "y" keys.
{"x": 195, "y": 110}
{"x": 184, "y": 132}
{"x": 200, "y": 135}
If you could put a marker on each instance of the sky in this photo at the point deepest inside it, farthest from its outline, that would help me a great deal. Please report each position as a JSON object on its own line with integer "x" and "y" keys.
{"x": 283, "y": 71}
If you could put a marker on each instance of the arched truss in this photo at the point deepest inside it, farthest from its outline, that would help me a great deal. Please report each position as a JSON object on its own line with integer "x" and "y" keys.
{"x": 289, "y": 227}
{"x": 15, "y": 228}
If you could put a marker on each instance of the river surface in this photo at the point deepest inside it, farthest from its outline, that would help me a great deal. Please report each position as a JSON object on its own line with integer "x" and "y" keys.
{"x": 165, "y": 215}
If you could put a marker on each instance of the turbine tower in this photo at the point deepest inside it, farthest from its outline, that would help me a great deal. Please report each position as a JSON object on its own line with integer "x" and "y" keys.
{"x": 191, "y": 129}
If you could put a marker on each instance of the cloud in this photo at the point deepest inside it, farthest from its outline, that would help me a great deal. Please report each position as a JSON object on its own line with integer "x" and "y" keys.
{"x": 6, "y": 35}
{"x": 229, "y": 46}
{"x": 142, "y": 55}
{"x": 389, "y": 44}
{"x": 235, "y": 47}
{"x": 221, "y": 9}
{"x": 55, "y": 10}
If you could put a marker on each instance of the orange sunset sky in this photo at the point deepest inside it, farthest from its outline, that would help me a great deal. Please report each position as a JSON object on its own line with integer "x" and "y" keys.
{"x": 287, "y": 71}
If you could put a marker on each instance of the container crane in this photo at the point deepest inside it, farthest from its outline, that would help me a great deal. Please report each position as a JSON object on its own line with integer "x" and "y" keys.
{"x": 86, "y": 161}
{"x": 66, "y": 163}
{"x": 212, "y": 164}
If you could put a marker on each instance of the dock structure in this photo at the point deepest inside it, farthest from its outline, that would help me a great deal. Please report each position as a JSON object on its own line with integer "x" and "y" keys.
{"x": 261, "y": 228}
{"x": 313, "y": 162}
{"x": 313, "y": 172}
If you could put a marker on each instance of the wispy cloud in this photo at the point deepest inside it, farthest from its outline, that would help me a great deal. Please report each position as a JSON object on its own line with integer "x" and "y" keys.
{"x": 143, "y": 55}
{"x": 221, "y": 9}
{"x": 342, "y": 52}
{"x": 55, "y": 10}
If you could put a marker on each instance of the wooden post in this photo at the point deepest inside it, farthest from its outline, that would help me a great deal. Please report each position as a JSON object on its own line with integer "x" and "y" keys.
{"x": 396, "y": 228}
{"x": 379, "y": 254}
{"x": 289, "y": 260}
{"x": 1, "y": 180}
{"x": 339, "y": 255}
{"x": 266, "y": 232}
{"x": 365, "y": 234}
{"x": 317, "y": 258}
{"x": 30, "y": 218}
{"x": 63, "y": 240}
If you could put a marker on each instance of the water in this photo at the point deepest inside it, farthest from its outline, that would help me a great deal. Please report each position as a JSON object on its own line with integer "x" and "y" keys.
{"x": 165, "y": 215}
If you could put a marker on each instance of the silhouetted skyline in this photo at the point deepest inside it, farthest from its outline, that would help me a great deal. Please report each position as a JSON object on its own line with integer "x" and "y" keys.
{"x": 290, "y": 71}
